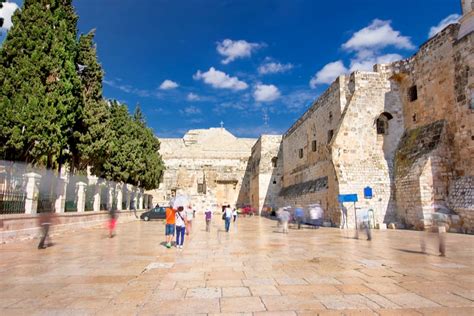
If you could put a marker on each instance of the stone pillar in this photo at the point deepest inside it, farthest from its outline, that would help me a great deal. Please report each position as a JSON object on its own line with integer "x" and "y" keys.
{"x": 81, "y": 196}
{"x": 119, "y": 192}
{"x": 140, "y": 199}
{"x": 110, "y": 195}
{"x": 97, "y": 198}
{"x": 61, "y": 189}
{"x": 32, "y": 191}
{"x": 128, "y": 196}
{"x": 133, "y": 198}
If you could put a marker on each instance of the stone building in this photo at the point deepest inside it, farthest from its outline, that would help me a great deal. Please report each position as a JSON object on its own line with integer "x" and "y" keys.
{"x": 207, "y": 165}
{"x": 405, "y": 130}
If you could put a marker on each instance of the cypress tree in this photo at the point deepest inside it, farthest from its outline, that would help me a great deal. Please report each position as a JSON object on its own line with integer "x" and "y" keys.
{"x": 89, "y": 145}
{"x": 39, "y": 85}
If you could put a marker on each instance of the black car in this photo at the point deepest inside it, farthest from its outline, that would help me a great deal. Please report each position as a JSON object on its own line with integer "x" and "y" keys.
{"x": 155, "y": 213}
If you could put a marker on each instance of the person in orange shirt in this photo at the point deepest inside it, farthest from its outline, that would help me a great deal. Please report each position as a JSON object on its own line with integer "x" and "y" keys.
{"x": 170, "y": 223}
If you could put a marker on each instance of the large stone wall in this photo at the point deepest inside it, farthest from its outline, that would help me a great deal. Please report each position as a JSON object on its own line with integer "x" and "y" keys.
{"x": 209, "y": 166}
{"x": 361, "y": 156}
{"x": 265, "y": 172}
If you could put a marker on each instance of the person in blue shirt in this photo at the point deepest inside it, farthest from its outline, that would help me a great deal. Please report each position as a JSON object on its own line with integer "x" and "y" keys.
{"x": 299, "y": 215}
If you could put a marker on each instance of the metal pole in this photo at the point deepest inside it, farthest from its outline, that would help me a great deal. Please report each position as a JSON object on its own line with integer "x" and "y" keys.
{"x": 355, "y": 222}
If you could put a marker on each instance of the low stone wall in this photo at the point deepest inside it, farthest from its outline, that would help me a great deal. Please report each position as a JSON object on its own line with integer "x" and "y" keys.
{"x": 25, "y": 226}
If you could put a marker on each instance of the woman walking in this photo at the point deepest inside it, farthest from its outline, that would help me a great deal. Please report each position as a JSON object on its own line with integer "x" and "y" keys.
{"x": 180, "y": 227}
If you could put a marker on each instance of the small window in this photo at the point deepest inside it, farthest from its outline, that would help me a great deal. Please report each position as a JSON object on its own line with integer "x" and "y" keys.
{"x": 414, "y": 118}
{"x": 300, "y": 152}
{"x": 314, "y": 145}
{"x": 330, "y": 135}
{"x": 330, "y": 116}
{"x": 412, "y": 93}
{"x": 382, "y": 126}
{"x": 274, "y": 162}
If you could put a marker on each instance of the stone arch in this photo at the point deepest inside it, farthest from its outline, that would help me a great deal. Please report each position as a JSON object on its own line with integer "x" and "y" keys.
{"x": 381, "y": 123}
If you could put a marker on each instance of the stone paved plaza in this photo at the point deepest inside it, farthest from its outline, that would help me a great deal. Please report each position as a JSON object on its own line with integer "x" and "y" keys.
{"x": 254, "y": 269}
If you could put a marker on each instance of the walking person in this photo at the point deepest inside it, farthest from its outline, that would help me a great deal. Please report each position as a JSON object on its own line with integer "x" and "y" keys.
{"x": 180, "y": 218}
{"x": 45, "y": 220}
{"x": 170, "y": 225}
{"x": 234, "y": 214}
{"x": 227, "y": 217}
{"x": 299, "y": 215}
{"x": 189, "y": 219}
{"x": 112, "y": 222}
{"x": 284, "y": 218}
{"x": 208, "y": 217}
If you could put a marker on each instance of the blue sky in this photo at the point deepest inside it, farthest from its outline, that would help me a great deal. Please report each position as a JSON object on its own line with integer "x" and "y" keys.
{"x": 255, "y": 65}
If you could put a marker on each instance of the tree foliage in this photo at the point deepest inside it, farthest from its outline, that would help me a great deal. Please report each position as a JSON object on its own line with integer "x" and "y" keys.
{"x": 52, "y": 111}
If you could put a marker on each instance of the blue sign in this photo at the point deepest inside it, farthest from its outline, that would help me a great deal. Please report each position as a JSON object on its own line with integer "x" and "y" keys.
{"x": 368, "y": 193}
{"x": 347, "y": 198}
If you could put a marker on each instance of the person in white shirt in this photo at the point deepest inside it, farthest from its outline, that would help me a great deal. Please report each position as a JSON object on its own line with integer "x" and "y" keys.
{"x": 189, "y": 219}
{"x": 180, "y": 227}
{"x": 234, "y": 214}
{"x": 228, "y": 216}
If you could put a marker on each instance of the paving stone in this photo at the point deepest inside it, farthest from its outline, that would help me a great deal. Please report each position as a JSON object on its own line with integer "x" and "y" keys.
{"x": 291, "y": 302}
{"x": 241, "y": 304}
{"x": 204, "y": 292}
{"x": 235, "y": 291}
{"x": 410, "y": 300}
{"x": 264, "y": 290}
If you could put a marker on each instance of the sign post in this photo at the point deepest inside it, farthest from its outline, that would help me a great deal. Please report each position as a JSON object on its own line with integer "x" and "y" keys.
{"x": 351, "y": 198}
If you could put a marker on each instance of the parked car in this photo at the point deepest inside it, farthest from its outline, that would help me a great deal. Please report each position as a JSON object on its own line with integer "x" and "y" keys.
{"x": 155, "y": 213}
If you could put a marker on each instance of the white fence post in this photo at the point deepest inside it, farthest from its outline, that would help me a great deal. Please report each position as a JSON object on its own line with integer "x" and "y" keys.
{"x": 32, "y": 192}
{"x": 81, "y": 196}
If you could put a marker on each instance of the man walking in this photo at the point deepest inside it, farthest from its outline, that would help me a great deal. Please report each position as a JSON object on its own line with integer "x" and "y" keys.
{"x": 299, "y": 214}
{"x": 208, "y": 217}
{"x": 169, "y": 227}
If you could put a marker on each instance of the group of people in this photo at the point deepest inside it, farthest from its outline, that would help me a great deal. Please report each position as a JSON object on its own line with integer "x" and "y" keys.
{"x": 284, "y": 216}
{"x": 227, "y": 215}
{"x": 180, "y": 220}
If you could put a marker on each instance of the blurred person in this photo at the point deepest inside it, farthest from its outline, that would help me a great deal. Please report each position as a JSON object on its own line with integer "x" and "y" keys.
{"x": 299, "y": 215}
{"x": 234, "y": 214}
{"x": 439, "y": 221}
{"x": 189, "y": 219}
{"x": 208, "y": 217}
{"x": 284, "y": 218}
{"x": 112, "y": 222}
{"x": 227, "y": 217}
{"x": 45, "y": 220}
{"x": 170, "y": 225}
{"x": 278, "y": 215}
{"x": 180, "y": 220}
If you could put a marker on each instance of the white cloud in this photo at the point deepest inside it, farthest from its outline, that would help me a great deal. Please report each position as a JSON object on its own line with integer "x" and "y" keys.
{"x": 273, "y": 68}
{"x": 236, "y": 49}
{"x": 193, "y": 97}
{"x": 6, "y": 13}
{"x": 191, "y": 110}
{"x": 377, "y": 35}
{"x": 328, "y": 73}
{"x": 168, "y": 85}
{"x": 266, "y": 93}
{"x": 452, "y": 18}
{"x": 220, "y": 80}
{"x": 367, "y": 63}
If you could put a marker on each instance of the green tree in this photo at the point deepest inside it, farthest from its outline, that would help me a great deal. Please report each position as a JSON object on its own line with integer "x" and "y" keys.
{"x": 39, "y": 85}
{"x": 90, "y": 142}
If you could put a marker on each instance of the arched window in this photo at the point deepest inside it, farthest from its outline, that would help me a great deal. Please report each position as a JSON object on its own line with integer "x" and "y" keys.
{"x": 382, "y": 123}
{"x": 274, "y": 162}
